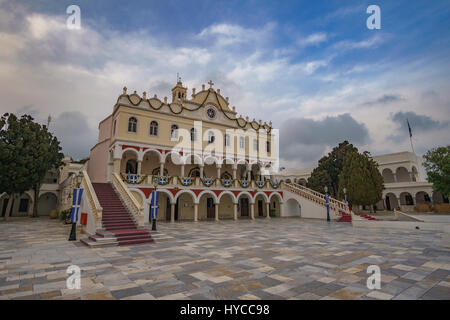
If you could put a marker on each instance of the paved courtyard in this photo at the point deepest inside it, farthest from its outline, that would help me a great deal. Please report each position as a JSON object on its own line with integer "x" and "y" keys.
{"x": 276, "y": 259}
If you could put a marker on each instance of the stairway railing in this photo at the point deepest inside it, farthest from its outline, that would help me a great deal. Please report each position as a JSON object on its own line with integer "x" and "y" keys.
{"x": 317, "y": 197}
{"x": 94, "y": 204}
{"x": 131, "y": 203}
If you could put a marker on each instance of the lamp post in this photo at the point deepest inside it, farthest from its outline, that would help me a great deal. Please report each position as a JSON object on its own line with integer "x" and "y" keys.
{"x": 76, "y": 207}
{"x": 154, "y": 205}
{"x": 327, "y": 202}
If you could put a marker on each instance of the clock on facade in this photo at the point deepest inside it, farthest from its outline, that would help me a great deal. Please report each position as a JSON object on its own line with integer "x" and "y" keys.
{"x": 211, "y": 113}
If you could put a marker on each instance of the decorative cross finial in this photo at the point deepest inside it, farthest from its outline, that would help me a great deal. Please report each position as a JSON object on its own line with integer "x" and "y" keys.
{"x": 210, "y": 83}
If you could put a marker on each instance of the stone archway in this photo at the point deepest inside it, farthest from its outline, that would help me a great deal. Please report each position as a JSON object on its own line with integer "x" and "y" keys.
{"x": 388, "y": 176}
{"x": 293, "y": 208}
{"x": 391, "y": 202}
{"x": 46, "y": 203}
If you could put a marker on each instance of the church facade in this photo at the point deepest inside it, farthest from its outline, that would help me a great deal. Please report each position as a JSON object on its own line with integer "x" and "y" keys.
{"x": 205, "y": 160}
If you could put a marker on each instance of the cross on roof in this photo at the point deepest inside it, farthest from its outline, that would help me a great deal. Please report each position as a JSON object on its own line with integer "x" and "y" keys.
{"x": 210, "y": 83}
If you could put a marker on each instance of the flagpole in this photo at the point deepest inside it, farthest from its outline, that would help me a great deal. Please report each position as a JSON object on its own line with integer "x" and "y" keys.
{"x": 410, "y": 135}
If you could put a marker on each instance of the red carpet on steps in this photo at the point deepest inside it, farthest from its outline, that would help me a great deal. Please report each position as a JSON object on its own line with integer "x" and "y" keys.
{"x": 116, "y": 219}
{"x": 346, "y": 217}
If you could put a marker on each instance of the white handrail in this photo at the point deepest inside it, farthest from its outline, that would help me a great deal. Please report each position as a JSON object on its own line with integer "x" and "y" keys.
{"x": 133, "y": 205}
{"x": 96, "y": 208}
{"x": 312, "y": 195}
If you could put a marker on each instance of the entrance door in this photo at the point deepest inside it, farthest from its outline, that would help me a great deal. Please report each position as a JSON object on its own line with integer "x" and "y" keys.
{"x": 244, "y": 207}
{"x": 210, "y": 208}
{"x": 260, "y": 208}
{"x": 388, "y": 204}
{"x": 168, "y": 209}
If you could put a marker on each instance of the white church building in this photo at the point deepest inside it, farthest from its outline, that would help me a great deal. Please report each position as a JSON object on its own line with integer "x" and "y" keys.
{"x": 404, "y": 177}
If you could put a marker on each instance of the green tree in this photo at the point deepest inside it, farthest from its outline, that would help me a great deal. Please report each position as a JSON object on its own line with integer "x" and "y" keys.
{"x": 362, "y": 179}
{"x": 27, "y": 152}
{"x": 328, "y": 170}
{"x": 437, "y": 166}
{"x": 15, "y": 161}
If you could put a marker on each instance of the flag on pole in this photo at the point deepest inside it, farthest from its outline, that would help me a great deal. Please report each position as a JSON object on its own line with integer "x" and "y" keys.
{"x": 409, "y": 128}
{"x": 154, "y": 204}
{"x": 76, "y": 202}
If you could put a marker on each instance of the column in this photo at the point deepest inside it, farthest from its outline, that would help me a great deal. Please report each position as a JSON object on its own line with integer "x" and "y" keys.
{"x": 395, "y": 176}
{"x": 116, "y": 165}
{"x": 161, "y": 169}
{"x": 234, "y": 172}
{"x": 201, "y": 171}
{"x": 252, "y": 211}
{"x": 139, "y": 167}
{"x": 235, "y": 211}
{"x": 172, "y": 212}
{"x": 217, "y": 211}
{"x": 268, "y": 210}
{"x": 195, "y": 212}
{"x": 411, "y": 176}
{"x": 218, "y": 176}
{"x": 182, "y": 170}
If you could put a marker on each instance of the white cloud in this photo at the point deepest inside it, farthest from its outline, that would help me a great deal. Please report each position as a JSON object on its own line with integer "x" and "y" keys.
{"x": 54, "y": 70}
{"x": 313, "y": 39}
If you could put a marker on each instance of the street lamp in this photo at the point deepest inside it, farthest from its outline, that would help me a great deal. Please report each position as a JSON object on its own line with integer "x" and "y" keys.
{"x": 153, "y": 204}
{"x": 76, "y": 206}
{"x": 327, "y": 202}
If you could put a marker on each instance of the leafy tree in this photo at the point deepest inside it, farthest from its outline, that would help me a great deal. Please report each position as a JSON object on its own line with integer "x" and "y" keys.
{"x": 15, "y": 161}
{"x": 329, "y": 168}
{"x": 437, "y": 166}
{"x": 362, "y": 179}
{"x": 27, "y": 152}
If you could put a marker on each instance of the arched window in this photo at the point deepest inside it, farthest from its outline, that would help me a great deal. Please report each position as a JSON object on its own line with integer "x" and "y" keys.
{"x": 132, "y": 124}
{"x": 211, "y": 137}
{"x": 153, "y": 128}
{"x": 174, "y": 131}
{"x": 242, "y": 142}
{"x": 267, "y": 146}
{"x": 193, "y": 134}
{"x": 114, "y": 127}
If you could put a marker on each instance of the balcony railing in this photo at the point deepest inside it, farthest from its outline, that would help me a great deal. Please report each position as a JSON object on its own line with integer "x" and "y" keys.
{"x": 197, "y": 181}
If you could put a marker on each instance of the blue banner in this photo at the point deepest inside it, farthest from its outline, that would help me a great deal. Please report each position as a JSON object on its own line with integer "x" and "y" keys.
{"x": 76, "y": 202}
{"x": 154, "y": 204}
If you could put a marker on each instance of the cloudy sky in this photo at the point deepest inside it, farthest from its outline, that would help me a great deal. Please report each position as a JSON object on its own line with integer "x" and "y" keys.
{"x": 311, "y": 67}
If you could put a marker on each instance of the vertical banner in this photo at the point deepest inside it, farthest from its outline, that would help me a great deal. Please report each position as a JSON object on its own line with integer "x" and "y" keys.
{"x": 154, "y": 204}
{"x": 76, "y": 201}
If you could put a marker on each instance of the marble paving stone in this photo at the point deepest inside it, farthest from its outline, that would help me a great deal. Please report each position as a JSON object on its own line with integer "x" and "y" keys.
{"x": 297, "y": 259}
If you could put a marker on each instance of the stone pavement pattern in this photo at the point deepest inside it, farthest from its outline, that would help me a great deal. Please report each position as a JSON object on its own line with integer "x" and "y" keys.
{"x": 275, "y": 259}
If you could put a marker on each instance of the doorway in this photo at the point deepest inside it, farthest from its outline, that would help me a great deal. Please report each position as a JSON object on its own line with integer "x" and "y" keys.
{"x": 168, "y": 209}
{"x": 210, "y": 208}
{"x": 260, "y": 208}
{"x": 244, "y": 207}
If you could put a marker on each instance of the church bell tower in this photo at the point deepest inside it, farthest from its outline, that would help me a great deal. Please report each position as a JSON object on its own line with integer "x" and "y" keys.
{"x": 178, "y": 92}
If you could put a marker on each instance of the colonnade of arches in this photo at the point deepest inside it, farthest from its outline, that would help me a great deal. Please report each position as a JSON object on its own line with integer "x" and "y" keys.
{"x": 393, "y": 201}
{"x": 22, "y": 205}
{"x": 399, "y": 174}
{"x": 207, "y": 205}
{"x": 152, "y": 162}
